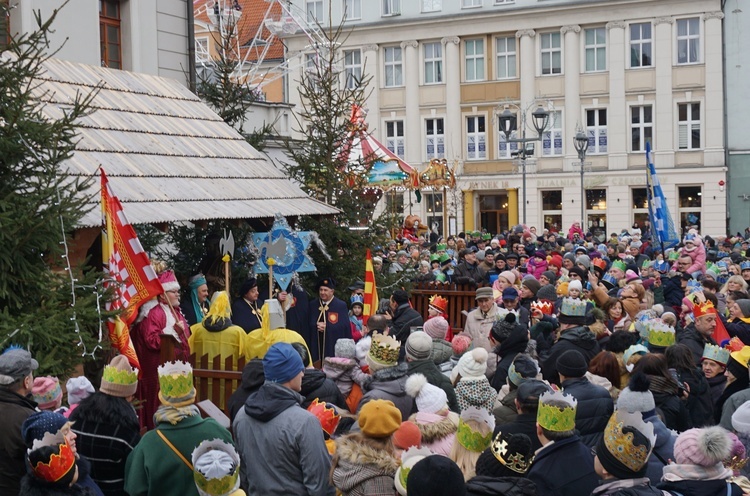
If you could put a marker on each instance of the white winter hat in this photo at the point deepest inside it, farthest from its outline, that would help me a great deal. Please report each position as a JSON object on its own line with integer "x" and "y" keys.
{"x": 429, "y": 398}
{"x": 576, "y": 284}
{"x": 741, "y": 419}
{"x": 472, "y": 365}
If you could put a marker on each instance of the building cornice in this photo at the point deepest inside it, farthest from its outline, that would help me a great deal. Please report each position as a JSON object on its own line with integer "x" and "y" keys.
{"x": 616, "y": 25}
{"x": 409, "y": 43}
{"x": 663, "y": 20}
{"x": 713, "y": 15}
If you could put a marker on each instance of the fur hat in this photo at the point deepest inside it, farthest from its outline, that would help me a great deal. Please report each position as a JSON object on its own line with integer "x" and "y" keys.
{"x": 436, "y": 475}
{"x": 636, "y": 397}
{"x": 47, "y": 392}
{"x": 379, "y": 418}
{"x": 572, "y": 364}
{"x": 419, "y": 346}
{"x": 345, "y": 348}
{"x": 429, "y": 398}
{"x": 436, "y": 327}
{"x": 703, "y": 447}
{"x": 472, "y": 365}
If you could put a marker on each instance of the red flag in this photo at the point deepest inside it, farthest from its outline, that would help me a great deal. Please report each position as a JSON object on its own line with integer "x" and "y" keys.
{"x": 720, "y": 334}
{"x": 128, "y": 271}
{"x": 371, "y": 292}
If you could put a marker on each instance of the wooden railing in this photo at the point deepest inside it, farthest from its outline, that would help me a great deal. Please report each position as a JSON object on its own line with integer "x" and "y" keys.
{"x": 460, "y": 297}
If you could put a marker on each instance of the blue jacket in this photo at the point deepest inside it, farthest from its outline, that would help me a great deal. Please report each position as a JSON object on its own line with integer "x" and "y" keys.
{"x": 564, "y": 468}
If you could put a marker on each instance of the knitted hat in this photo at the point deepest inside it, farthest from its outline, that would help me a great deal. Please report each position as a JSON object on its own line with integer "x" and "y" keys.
{"x": 379, "y": 418}
{"x": 579, "y": 272}
{"x": 744, "y": 307}
{"x": 400, "y": 296}
{"x": 509, "y": 455}
{"x": 282, "y": 363}
{"x": 176, "y": 387}
{"x": 703, "y": 447}
{"x": 627, "y": 443}
{"x": 576, "y": 284}
{"x": 345, "y": 348}
{"x": 547, "y": 293}
{"x": 501, "y": 329}
{"x": 472, "y": 365}
{"x": 419, "y": 346}
{"x": 540, "y": 254}
{"x": 119, "y": 378}
{"x": 531, "y": 284}
{"x": 508, "y": 276}
{"x": 570, "y": 256}
{"x": 78, "y": 388}
{"x": 39, "y": 424}
{"x": 429, "y": 398}
{"x": 636, "y": 397}
{"x": 47, "y": 392}
{"x": 460, "y": 344}
{"x": 551, "y": 277}
{"x": 572, "y": 364}
{"x": 741, "y": 419}
{"x": 436, "y": 475}
{"x": 407, "y": 435}
{"x": 436, "y": 327}
{"x": 584, "y": 260}
{"x": 216, "y": 468}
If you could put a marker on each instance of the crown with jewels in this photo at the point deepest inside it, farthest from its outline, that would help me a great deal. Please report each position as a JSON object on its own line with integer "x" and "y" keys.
{"x": 439, "y": 303}
{"x": 409, "y": 458}
{"x": 716, "y": 353}
{"x": 546, "y": 307}
{"x": 620, "y": 443}
{"x": 216, "y": 479}
{"x": 175, "y": 380}
{"x": 559, "y": 417}
{"x": 328, "y": 417}
{"x": 473, "y": 439}
{"x": 573, "y": 307}
{"x": 384, "y": 349}
{"x": 113, "y": 375}
{"x": 59, "y": 465}
{"x": 619, "y": 264}
{"x": 516, "y": 462}
{"x": 660, "y": 333}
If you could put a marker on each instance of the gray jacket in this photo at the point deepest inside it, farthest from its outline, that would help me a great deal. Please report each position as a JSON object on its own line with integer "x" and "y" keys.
{"x": 281, "y": 446}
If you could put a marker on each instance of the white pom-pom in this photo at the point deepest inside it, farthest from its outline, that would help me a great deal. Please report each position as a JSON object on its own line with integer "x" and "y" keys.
{"x": 414, "y": 384}
{"x": 479, "y": 355}
{"x": 715, "y": 444}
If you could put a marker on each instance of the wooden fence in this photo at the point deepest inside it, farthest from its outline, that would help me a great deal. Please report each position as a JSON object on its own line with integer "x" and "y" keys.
{"x": 460, "y": 298}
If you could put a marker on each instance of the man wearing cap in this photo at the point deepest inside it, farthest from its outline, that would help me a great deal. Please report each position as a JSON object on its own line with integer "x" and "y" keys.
{"x": 195, "y": 306}
{"x": 16, "y": 381}
{"x": 511, "y": 300}
{"x": 469, "y": 271}
{"x": 246, "y": 309}
{"x": 479, "y": 322}
{"x": 527, "y": 404}
{"x": 281, "y": 445}
{"x": 328, "y": 320}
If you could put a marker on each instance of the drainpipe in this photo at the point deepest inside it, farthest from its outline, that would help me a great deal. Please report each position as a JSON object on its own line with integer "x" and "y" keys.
{"x": 191, "y": 46}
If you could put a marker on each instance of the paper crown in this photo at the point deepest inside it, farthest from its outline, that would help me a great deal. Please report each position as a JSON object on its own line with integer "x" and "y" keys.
{"x": 599, "y": 263}
{"x": 59, "y": 465}
{"x": 473, "y": 439}
{"x": 715, "y": 353}
{"x": 175, "y": 380}
{"x": 619, "y": 264}
{"x": 661, "y": 266}
{"x": 705, "y": 308}
{"x": 439, "y": 303}
{"x": 445, "y": 258}
{"x": 357, "y": 298}
{"x": 409, "y": 458}
{"x": 384, "y": 349}
{"x": 620, "y": 444}
{"x": 516, "y": 462}
{"x": 573, "y": 307}
{"x": 741, "y": 356}
{"x": 632, "y": 350}
{"x": 546, "y": 307}
{"x": 215, "y": 479}
{"x": 558, "y": 417}
{"x": 123, "y": 377}
{"x": 487, "y": 236}
{"x": 609, "y": 281}
{"x": 694, "y": 286}
{"x": 434, "y": 258}
{"x": 441, "y": 247}
{"x": 502, "y": 312}
{"x": 660, "y": 333}
{"x": 745, "y": 265}
{"x": 735, "y": 344}
{"x": 328, "y": 417}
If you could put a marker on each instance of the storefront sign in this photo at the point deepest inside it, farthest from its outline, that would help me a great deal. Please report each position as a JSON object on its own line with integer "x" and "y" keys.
{"x": 555, "y": 183}
{"x": 485, "y": 185}
{"x": 629, "y": 180}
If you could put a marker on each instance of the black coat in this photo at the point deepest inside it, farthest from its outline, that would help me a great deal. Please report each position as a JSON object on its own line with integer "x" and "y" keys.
{"x": 14, "y": 409}
{"x": 506, "y": 352}
{"x": 575, "y": 338}
{"x": 694, "y": 340}
{"x": 252, "y": 379}
{"x": 436, "y": 378}
{"x": 315, "y": 384}
{"x": 483, "y": 485}
{"x": 673, "y": 411}
{"x": 404, "y": 318}
{"x": 701, "y": 488}
{"x": 468, "y": 274}
{"x": 525, "y": 423}
{"x": 699, "y": 404}
{"x": 245, "y": 315}
{"x": 595, "y": 407}
{"x": 564, "y": 468}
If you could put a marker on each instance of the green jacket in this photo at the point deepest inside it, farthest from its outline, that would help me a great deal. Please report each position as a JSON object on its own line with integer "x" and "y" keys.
{"x": 442, "y": 351}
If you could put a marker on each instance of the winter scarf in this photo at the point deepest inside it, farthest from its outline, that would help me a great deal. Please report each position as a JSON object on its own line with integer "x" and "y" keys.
{"x": 663, "y": 385}
{"x": 677, "y": 472}
{"x": 173, "y": 415}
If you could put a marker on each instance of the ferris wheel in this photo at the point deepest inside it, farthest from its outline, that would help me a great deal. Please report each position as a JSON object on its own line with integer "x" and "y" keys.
{"x": 255, "y": 43}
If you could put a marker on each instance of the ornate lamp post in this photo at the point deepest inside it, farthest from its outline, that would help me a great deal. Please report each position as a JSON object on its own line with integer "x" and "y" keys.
{"x": 581, "y": 143}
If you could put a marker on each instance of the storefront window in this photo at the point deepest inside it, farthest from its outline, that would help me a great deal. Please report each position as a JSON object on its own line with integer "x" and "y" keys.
{"x": 552, "y": 210}
{"x": 493, "y": 213}
{"x": 596, "y": 212}
{"x": 690, "y": 204}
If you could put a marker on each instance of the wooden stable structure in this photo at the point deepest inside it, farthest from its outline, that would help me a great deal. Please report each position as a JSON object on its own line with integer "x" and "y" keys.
{"x": 460, "y": 299}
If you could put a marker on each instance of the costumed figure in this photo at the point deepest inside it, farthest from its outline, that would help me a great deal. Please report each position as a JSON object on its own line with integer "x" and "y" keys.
{"x": 195, "y": 307}
{"x": 245, "y": 309}
{"x": 439, "y": 307}
{"x": 412, "y": 227}
{"x": 272, "y": 330}
{"x": 158, "y": 317}
{"x": 329, "y": 316}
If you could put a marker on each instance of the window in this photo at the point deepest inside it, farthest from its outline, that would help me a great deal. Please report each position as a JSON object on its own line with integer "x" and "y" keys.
{"x": 551, "y": 53}
{"x": 476, "y": 145}
{"x": 474, "y": 60}
{"x": 552, "y": 140}
{"x": 314, "y": 9}
{"x": 504, "y": 2}
{"x": 640, "y": 206}
{"x": 435, "y": 138}
{"x": 394, "y": 137}
{"x": 596, "y": 49}
{"x": 467, "y": 4}
{"x": 352, "y": 68}
{"x": 434, "y": 204}
{"x": 689, "y": 126}
{"x": 202, "y": 53}
{"x": 640, "y": 45}
{"x": 690, "y": 202}
{"x": 394, "y": 75}
{"x": 391, "y": 7}
{"x": 394, "y": 200}
{"x": 596, "y": 129}
{"x": 641, "y": 127}
{"x": 433, "y": 63}
{"x": 505, "y": 55}
{"x": 552, "y": 210}
{"x": 109, "y": 34}
{"x": 505, "y": 149}
{"x": 596, "y": 212}
{"x": 688, "y": 41}
{"x": 432, "y": 5}
{"x": 352, "y": 9}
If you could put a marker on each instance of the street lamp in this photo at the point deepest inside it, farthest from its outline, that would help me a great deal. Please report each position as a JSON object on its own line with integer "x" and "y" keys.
{"x": 581, "y": 143}
{"x": 508, "y": 123}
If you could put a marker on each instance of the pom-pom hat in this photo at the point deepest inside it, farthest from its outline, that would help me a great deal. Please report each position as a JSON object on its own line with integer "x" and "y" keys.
{"x": 706, "y": 447}
{"x": 429, "y": 398}
{"x": 637, "y": 397}
{"x": 78, "y": 388}
{"x": 472, "y": 365}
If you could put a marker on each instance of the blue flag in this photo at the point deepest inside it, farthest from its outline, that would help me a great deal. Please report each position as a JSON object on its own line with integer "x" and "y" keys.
{"x": 662, "y": 226}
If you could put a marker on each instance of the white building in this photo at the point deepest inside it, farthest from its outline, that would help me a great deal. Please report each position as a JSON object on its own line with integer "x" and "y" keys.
{"x": 624, "y": 71}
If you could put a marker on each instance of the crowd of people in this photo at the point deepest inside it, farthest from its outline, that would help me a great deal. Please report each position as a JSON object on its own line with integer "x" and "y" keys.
{"x": 584, "y": 367}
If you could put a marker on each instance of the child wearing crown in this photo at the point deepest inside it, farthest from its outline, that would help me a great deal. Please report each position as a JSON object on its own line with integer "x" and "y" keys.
{"x": 438, "y": 307}
{"x": 355, "y": 317}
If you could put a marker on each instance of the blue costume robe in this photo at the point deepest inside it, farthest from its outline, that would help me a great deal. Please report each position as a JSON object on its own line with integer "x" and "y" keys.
{"x": 336, "y": 316}
{"x": 246, "y": 315}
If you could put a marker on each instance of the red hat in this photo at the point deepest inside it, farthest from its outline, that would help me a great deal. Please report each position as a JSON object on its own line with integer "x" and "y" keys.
{"x": 407, "y": 435}
{"x": 705, "y": 308}
{"x": 168, "y": 281}
{"x": 556, "y": 260}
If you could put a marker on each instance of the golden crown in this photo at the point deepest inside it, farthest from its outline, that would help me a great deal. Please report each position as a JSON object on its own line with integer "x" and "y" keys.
{"x": 716, "y": 353}
{"x": 736, "y": 463}
{"x": 175, "y": 379}
{"x": 620, "y": 444}
{"x": 209, "y": 484}
{"x": 516, "y": 462}
{"x": 557, "y": 417}
{"x": 473, "y": 439}
{"x": 660, "y": 333}
{"x": 125, "y": 377}
{"x": 384, "y": 349}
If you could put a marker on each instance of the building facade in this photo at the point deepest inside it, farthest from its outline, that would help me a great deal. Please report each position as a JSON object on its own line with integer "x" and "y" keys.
{"x": 625, "y": 72}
